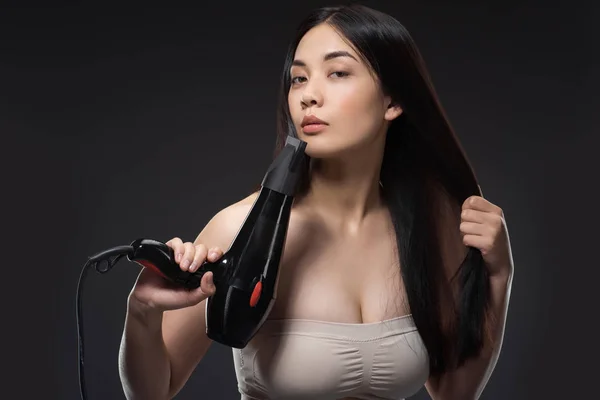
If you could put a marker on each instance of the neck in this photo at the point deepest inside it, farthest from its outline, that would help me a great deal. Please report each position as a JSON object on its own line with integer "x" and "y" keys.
{"x": 344, "y": 191}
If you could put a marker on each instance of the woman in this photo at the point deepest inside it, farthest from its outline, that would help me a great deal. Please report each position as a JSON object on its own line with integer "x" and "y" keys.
{"x": 396, "y": 273}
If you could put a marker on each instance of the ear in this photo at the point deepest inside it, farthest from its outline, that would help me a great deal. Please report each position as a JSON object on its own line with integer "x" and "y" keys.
{"x": 393, "y": 111}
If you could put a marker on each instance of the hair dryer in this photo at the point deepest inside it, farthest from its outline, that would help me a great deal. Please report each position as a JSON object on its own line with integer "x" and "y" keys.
{"x": 245, "y": 277}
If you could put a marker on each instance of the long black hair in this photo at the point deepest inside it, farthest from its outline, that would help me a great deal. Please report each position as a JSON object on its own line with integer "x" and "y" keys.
{"x": 422, "y": 155}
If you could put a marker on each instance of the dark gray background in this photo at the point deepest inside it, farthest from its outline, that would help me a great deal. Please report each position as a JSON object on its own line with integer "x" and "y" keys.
{"x": 118, "y": 124}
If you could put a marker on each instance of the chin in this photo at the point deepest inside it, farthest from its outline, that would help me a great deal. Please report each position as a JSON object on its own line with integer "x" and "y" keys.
{"x": 317, "y": 148}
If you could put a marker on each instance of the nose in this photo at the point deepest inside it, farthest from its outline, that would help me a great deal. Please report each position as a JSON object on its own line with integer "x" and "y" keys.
{"x": 311, "y": 96}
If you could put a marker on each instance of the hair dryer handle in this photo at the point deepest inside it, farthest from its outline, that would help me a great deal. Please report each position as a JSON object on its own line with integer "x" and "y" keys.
{"x": 160, "y": 258}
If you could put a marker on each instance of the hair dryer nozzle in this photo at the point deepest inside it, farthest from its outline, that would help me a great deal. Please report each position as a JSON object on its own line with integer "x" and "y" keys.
{"x": 284, "y": 172}
{"x": 299, "y": 154}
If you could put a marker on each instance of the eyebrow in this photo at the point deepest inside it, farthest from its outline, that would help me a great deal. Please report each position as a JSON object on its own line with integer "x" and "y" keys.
{"x": 327, "y": 57}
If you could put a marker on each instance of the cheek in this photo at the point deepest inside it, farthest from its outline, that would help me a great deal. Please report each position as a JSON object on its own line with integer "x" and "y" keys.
{"x": 358, "y": 108}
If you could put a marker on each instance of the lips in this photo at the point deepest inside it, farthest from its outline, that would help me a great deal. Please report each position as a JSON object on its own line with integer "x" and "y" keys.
{"x": 312, "y": 124}
{"x": 313, "y": 128}
{"x": 311, "y": 120}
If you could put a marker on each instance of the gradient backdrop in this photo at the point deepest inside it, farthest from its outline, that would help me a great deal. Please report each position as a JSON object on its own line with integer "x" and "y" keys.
{"x": 118, "y": 124}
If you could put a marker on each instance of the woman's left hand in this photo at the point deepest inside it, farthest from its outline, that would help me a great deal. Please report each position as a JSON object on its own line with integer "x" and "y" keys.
{"x": 483, "y": 227}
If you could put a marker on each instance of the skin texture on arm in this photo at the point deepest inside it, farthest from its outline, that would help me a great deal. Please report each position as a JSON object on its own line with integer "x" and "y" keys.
{"x": 468, "y": 381}
{"x": 184, "y": 330}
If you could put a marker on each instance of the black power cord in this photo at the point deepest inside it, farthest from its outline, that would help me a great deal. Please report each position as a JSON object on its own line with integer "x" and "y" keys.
{"x": 102, "y": 262}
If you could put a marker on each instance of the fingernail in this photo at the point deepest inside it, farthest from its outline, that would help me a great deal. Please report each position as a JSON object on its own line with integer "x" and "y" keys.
{"x": 185, "y": 264}
{"x": 212, "y": 254}
{"x": 192, "y": 266}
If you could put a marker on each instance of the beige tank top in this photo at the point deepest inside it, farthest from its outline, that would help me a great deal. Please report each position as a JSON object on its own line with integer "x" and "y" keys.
{"x": 305, "y": 359}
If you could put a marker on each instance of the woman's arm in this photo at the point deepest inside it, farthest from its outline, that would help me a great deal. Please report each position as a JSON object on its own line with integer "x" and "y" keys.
{"x": 468, "y": 381}
{"x": 159, "y": 351}
{"x": 144, "y": 365}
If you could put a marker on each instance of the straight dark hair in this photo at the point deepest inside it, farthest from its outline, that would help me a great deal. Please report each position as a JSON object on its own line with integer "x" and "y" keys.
{"x": 422, "y": 159}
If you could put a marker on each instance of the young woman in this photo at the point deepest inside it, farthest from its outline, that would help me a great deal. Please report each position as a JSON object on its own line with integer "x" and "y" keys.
{"x": 396, "y": 272}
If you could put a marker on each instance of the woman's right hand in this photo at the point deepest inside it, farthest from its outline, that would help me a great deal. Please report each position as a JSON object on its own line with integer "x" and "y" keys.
{"x": 152, "y": 292}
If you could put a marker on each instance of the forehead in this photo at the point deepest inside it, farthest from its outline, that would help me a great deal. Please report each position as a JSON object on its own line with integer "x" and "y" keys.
{"x": 319, "y": 41}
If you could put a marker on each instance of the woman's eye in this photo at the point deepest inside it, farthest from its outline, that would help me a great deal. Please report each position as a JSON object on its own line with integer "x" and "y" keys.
{"x": 340, "y": 74}
{"x": 295, "y": 79}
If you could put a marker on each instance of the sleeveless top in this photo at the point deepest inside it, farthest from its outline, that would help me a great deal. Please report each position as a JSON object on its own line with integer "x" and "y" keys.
{"x": 303, "y": 359}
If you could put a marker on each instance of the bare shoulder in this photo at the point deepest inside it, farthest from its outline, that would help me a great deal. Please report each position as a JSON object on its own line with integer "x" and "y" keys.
{"x": 225, "y": 224}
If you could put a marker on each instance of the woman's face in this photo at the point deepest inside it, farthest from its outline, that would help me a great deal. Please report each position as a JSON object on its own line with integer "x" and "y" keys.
{"x": 332, "y": 83}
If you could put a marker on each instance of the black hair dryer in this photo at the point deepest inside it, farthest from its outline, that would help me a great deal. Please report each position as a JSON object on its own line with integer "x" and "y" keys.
{"x": 246, "y": 276}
